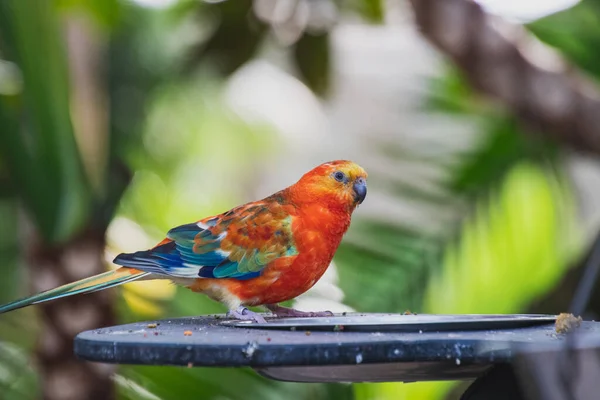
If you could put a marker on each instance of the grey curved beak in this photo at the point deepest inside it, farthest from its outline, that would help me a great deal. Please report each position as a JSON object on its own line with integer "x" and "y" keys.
{"x": 360, "y": 190}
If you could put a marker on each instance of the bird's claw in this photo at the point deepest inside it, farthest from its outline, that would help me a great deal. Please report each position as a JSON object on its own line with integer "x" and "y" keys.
{"x": 242, "y": 313}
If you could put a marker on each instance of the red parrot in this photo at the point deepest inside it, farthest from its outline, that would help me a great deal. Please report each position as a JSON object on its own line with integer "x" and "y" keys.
{"x": 258, "y": 254}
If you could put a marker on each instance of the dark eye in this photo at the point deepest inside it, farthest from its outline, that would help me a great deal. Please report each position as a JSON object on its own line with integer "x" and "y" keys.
{"x": 339, "y": 176}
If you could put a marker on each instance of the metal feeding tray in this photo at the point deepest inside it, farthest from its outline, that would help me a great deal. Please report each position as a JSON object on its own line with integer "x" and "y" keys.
{"x": 401, "y": 322}
{"x": 342, "y": 348}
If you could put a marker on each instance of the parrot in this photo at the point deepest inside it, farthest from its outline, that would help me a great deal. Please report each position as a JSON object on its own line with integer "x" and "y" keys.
{"x": 258, "y": 254}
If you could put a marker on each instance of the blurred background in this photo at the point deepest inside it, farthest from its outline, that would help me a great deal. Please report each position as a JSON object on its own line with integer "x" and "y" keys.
{"x": 120, "y": 119}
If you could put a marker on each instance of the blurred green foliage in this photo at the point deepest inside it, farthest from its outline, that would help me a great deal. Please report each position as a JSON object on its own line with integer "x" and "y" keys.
{"x": 574, "y": 32}
{"x": 371, "y": 10}
{"x": 512, "y": 238}
{"x": 47, "y": 148}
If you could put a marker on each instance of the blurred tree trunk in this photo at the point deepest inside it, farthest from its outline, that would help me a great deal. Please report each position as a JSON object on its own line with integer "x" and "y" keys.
{"x": 508, "y": 64}
{"x": 63, "y": 376}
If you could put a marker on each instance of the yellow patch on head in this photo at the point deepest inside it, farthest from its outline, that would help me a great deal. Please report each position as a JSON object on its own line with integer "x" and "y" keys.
{"x": 334, "y": 183}
{"x": 351, "y": 169}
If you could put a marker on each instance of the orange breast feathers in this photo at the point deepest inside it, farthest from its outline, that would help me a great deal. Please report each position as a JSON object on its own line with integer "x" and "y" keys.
{"x": 317, "y": 233}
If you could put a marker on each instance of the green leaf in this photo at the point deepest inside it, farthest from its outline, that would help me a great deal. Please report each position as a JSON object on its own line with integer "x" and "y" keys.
{"x": 517, "y": 244}
{"x": 391, "y": 261}
{"x": 18, "y": 380}
{"x": 9, "y": 250}
{"x": 502, "y": 146}
{"x": 312, "y": 57}
{"x": 451, "y": 94}
{"x": 171, "y": 383}
{"x": 234, "y": 41}
{"x": 575, "y": 32}
{"x": 133, "y": 75}
{"x": 7, "y": 189}
{"x": 371, "y": 10}
{"x": 393, "y": 391}
{"x": 502, "y": 142}
{"x": 105, "y": 13}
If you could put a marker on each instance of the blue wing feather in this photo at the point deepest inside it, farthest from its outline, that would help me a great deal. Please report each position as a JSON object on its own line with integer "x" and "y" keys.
{"x": 177, "y": 256}
{"x": 195, "y": 249}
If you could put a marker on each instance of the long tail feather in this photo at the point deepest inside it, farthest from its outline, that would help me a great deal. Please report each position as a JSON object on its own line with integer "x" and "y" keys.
{"x": 87, "y": 285}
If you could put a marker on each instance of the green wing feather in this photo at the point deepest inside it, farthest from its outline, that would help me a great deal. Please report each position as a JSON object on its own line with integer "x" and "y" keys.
{"x": 87, "y": 285}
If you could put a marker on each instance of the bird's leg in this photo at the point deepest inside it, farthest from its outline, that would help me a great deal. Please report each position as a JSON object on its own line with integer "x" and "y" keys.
{"x": 244, "y": 314}
{"x": 281, "y": 311}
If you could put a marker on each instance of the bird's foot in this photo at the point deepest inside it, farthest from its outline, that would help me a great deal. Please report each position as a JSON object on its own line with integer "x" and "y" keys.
{"x": 244, "y": 314}
{"x": 283, "y": 312}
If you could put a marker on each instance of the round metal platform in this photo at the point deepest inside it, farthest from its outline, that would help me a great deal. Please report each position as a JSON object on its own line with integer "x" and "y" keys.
{"x": 343, "y": 348}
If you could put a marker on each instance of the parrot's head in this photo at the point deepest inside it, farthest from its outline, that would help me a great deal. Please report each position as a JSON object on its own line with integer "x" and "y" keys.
{"x": 338, "y": 184}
